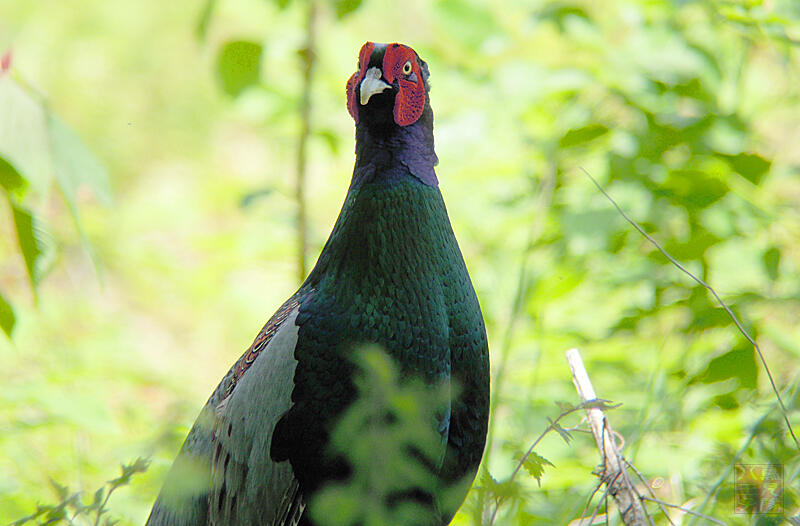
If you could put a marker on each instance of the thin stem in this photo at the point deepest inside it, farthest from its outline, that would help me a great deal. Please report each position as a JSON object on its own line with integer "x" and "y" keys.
{"x": 685, "y": 510}
{"x": 308, "y": 57}
{"x": 708, "y": 287}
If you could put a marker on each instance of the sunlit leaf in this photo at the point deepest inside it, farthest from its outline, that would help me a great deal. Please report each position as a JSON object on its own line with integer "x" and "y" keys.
{"x": 239, "y": 66}
{"x": 534, "y": 464}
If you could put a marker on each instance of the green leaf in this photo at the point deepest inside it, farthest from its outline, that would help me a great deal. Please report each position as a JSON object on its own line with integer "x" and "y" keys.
{"x": 578, "y": 136}
{"x": 772, "y": 260}
{"x": 239, "y": 66}
{"x": 24, "y": 142}
{"x": 10, "y": 178}
{"x": 34, "y": 243}
{"x": 282, "y": 3}
{"x": 345, "y": 7}
{"x": 751, "y": 166}
{"x": 7, "y": 318}
{"x": 738, "y": 363}
{"x": 534, "y": 464}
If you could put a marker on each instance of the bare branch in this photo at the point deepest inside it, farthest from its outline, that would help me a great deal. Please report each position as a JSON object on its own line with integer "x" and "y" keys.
{"x": 614, "y": 474}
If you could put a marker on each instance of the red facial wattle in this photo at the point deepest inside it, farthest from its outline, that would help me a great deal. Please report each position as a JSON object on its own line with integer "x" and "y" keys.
{"x": 357, "y": 77}
{"x": 410, "y": 99}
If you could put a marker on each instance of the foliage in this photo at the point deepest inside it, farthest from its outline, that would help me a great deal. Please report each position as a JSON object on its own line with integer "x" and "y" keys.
{"x": 36, "y": 150}
{"x": 388, "y": 428}
{"x": 685, "y": 112}
{"x": 72, "y": 510}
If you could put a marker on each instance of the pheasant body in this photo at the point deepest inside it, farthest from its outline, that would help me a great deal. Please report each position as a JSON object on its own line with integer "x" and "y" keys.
{"x": 390, "y": 275}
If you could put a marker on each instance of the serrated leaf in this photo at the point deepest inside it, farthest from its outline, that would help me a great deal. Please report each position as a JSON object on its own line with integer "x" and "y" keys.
{"x": 564, "y": 407}
{"x": 61, "y": 491}
{"x": 534, "y": 464}
{"x": 239, "y": 66}
{"x": 345, "y": 7}
{"x": 7, "y": 318}
{"x": 577, "y": 136}
{"x": 560, "y": 430}
{"x": 98, "y": 497}
{"x": 34, "y": 243}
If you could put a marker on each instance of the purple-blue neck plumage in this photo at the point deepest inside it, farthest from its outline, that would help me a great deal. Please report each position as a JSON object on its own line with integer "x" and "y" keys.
{"x": 386, "y": 150}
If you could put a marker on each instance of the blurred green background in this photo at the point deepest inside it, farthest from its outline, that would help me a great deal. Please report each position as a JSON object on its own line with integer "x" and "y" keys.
{"x": 150, "y": 229}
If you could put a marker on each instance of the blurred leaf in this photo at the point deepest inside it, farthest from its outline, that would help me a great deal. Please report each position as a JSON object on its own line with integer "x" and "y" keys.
{"x": 692, "y": 249}
{"x": 24, "y": 142}
{"x": 10, "y": 178}
{"x": 62, "y": 492}
{"x": 468, "y": 21}
{"x": 751, "y": 166}
{"x": 74, "y": 164}
{"x": 558, "y": 428}
{"x": 239, "y": 66}
{"x": 331, "y": 138}
{"x": 205, "y": 18}
{"x": 345, "y": 7}
{"x": 772, "y": 260}
{"x": 282, "y": 3}
{"x": 559, "y": 12}
{"x": 738, "y": 363}
{"x": 34, "y": 243}
{"x": 577, "y": 136}
{"x": 692, "y": 187}
{"x": 7, "y": 318}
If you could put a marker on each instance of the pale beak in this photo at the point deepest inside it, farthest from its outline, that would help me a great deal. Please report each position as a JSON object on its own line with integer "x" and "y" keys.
{"x": 372, "y": 84}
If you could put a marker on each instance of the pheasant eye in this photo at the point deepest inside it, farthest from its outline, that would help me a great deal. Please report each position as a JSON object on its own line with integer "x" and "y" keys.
{"x": 407, "y": 67}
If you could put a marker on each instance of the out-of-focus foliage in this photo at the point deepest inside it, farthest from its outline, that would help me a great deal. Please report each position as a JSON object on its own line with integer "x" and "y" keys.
{"x": 686, "y": 112}
{"x": 391, "y": 427}
{"x": 36, "y": 150}
{"x": 72, "y": 510}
